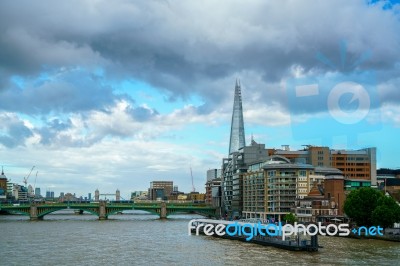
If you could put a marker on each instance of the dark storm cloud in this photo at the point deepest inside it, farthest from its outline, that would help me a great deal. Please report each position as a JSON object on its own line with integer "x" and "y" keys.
{"x": 183, "y": 47}
{"x": 51, "y": 130}
{"x": 64, "y": 91}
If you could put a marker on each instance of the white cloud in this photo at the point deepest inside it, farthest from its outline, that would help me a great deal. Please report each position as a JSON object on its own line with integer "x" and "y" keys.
{"x": 108, "y": 165}
{"x": 185, "y": 48}
{"x": 267, "y": 116}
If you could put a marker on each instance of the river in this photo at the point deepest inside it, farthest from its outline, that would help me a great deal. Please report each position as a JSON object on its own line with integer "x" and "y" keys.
{"x": 65, "y": 238}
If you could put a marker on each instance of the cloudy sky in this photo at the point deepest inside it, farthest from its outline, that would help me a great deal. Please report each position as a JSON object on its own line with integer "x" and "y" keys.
{"x": 115, "y": 94}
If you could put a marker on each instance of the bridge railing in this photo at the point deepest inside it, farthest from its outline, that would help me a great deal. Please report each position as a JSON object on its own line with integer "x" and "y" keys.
{"x": 146, "y": 203}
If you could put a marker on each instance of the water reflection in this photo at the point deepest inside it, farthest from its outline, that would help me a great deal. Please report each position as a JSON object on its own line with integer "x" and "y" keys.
{"x": 139, "y": 238}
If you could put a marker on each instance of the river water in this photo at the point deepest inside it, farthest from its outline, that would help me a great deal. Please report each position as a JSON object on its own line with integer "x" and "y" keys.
{"x": 65, "y": 238}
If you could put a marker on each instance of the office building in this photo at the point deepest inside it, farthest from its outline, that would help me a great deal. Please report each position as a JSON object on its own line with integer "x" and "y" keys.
{"x": 19, "y": 192}
{"x": 37, "y": 192}
{"x": 213, "y": 188}
{"x": 213, "y": 192}
{"x": 96, "y": 195}
{"x": 271, "y": 188}
{"x": 354, "y": 164}
{"x": 233, "y": 169}
{"x": 160, "y": 190}
{"x": 213, "y": 174}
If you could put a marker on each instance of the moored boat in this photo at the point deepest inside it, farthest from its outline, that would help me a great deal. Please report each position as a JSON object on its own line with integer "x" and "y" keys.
{"x": 262, "y": 234}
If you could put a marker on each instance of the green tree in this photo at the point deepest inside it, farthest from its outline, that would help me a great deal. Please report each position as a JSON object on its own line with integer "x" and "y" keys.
{"x": 289, "y": 218}
{"x": 386, "y": 213}
{"x": 360, "y": 204}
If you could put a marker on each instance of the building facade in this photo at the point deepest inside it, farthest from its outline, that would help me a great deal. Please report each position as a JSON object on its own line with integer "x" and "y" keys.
{"x": 354, "y": 164}
{"x": 272, "y": 188}
{"x": 324, "y": 203}
{"x": 160, "y": 190}
{"x": 233, "y": 169}
{"x": 3, "y": 186}
{"x": 237, "y": 136}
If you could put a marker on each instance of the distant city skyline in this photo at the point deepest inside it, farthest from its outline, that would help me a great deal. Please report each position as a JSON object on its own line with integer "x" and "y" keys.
{"x": 108, "y": 96}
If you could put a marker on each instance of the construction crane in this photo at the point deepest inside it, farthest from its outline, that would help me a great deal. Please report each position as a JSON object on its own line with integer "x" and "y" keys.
{"x": 27, "y": 177}
{"x": 191, "y": 174}
{"x": 34, "y": 184}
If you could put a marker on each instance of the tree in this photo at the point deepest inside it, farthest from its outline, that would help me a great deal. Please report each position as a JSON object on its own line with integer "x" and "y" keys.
{"x": 360, "y": 204}
{"x": 386, "y": 213}
{"x": 290, "y": 218}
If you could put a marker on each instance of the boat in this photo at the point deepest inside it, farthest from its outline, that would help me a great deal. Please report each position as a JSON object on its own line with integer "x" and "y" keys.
{"x": 258, "y": 233}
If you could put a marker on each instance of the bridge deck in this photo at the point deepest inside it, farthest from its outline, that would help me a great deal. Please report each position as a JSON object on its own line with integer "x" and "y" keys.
{"x": 104, "y": 209}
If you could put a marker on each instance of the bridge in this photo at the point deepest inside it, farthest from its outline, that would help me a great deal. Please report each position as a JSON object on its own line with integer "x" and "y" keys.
{"x": 103, "y": 209}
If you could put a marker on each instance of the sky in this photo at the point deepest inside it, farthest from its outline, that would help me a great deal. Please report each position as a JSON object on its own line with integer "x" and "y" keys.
{"x": 115, "y": 94}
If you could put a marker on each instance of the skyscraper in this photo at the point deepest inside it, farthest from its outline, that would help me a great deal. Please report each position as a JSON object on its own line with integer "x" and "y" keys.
{"x": 237, "y": 139}
{"x": 239, "y": 157}
{"x": 37, "y": 192}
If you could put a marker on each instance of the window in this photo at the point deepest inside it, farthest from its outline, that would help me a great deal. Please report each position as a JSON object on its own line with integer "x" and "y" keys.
{"x": 302, "y": 173}
{"x": 271, "y": 173}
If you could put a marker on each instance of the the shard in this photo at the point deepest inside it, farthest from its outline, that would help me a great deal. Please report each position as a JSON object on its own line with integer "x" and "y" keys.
{"x": 237, "y": 140}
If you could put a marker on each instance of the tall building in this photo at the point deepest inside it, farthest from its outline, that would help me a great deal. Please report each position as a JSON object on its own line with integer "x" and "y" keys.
{"x": 237, "y": 138}
{"x": 239, "y": 157}
{"x": 37, "y": 192}
{"x": 233, "y": 169}
{"x": 213, "y": 188}
{"x": 30, "y": 191}
{"x": 234, "y": 161}
{"x": 96, "y": 195}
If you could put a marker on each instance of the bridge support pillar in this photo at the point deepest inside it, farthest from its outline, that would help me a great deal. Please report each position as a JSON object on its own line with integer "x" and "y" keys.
{"x": 163, "y": 211}
{"x": 102, "y": 210}
{"x": 33, "y": 214}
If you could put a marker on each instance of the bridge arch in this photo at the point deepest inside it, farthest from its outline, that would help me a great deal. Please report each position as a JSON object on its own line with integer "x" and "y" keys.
{"x": 151, "y": 211}
{"x": 18, "y": 212}
{"x": 49, "y": 210}
{"x": 130, "y": 209}
{"x": 207, "y": 214}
